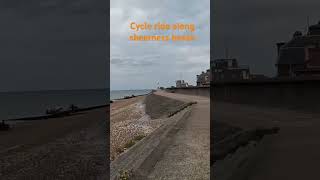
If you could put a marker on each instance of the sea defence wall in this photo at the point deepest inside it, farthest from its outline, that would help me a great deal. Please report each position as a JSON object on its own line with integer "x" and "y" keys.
{"x": 299, "y": 94}
{"x": 296, "y": 94}
{"x": 196, "y": 91}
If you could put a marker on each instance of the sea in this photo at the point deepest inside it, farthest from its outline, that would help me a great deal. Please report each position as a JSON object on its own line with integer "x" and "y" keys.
{"x": 119, "y": 94}
{"x": 35, "y": 103}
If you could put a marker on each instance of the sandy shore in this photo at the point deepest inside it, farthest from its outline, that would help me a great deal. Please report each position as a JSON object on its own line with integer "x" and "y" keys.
{"x": 135, "y": 118}
{"x": 72, "y": 147}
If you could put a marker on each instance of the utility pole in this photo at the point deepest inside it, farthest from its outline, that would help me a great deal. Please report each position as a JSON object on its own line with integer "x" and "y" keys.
{"x": 227, "y": 52}
{"x": 308, "y": 24}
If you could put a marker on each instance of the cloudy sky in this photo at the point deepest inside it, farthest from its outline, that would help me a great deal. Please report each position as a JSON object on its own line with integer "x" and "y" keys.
{"x": 250, "y": 28}
{"x": 52, "y": 44}
{"x": 139, "y": 65}
{"x": 58, "y": 44}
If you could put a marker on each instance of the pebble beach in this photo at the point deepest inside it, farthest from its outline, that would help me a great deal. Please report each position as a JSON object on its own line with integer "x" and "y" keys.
{"x": 137, "y": 117}
{"x": 71, "y": 147}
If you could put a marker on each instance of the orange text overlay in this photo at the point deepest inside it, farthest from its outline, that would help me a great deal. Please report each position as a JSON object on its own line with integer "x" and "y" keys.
{"x": 171, "y": 32}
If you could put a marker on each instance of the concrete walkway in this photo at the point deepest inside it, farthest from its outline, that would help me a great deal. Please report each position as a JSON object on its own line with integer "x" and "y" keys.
{"x": 188, "y": 157}
{"x": 294, "y": 153}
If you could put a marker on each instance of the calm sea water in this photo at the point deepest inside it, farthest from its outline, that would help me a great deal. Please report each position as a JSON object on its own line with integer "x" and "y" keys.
{"x": 35, "y": 103}
{"x": 118, "y": 94}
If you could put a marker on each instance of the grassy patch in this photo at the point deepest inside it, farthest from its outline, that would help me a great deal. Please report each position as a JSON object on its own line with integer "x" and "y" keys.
{"x": 139, "y": 137}
{"x": 133, "y": 141}
{"x": 125, "y": 174}
{"x": 182, "y": 107}
{"x": 129, "y": 144}
{"x": 119, "y": 150}
{"x": 160, "y": 106}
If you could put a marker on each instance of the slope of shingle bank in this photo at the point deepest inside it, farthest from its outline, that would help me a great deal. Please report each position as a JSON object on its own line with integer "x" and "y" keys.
{"x": 235, "y": 149}
{"x": 160, "y": 106}
{"x": 137, "y": 117}
{"x": 142, "y": 151}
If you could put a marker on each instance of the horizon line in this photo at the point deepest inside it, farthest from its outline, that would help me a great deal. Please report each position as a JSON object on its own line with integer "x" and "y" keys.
{"x": 75, "y": 89}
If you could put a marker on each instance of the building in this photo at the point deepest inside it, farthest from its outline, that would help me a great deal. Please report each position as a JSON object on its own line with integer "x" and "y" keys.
{"x": 228, "y": 70}
{"x": 204, "y": 79}
{"x": 301, "y": 55}
{"x": 181, "y": 84}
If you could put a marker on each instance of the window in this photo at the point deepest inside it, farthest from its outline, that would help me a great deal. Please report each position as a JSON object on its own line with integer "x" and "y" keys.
{"x": 244, "y": 75}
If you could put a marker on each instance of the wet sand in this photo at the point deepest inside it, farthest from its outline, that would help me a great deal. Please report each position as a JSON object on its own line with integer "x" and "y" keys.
{"x": 72, "y": 147}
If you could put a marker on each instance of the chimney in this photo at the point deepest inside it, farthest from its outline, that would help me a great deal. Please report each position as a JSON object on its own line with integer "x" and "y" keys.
{"x": 279, "y": 45}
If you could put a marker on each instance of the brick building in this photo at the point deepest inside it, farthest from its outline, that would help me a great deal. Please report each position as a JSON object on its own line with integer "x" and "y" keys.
{"x": 181, "y": 84}
{"x": 301, "y": 55}
{"x": 204, "y": 78}
{"x": 228, "y": 70}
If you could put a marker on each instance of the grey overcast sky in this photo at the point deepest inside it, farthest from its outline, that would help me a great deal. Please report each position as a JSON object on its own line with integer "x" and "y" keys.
{"x": 250, "y": 28}
{"x": 140, "y": 65}
{"x": 52, "y": 44}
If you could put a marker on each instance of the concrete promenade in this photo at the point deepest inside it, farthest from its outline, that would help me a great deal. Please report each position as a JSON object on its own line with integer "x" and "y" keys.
{"x": 293, "y": 153}
{"x": 189, "y": 154}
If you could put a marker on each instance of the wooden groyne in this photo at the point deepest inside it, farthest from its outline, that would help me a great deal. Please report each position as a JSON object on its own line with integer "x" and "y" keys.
{"x": 59, "y": 114}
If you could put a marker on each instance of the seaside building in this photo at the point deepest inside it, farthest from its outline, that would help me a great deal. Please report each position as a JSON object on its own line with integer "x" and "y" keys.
{"x": 204, "y": 79}
{"x": 181, "y": 84}
{"x": 228, "y": 70}
{"x": 301, "y": 55}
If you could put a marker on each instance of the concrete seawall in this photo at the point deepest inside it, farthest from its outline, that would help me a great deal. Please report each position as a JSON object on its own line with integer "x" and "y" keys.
{"x": 196, "y": 91}
{"x": 293, "y": 94}
{"x": 138, "y": 158}
{"x": 296, "y": 94}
